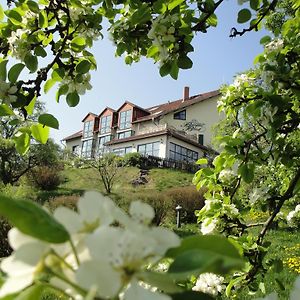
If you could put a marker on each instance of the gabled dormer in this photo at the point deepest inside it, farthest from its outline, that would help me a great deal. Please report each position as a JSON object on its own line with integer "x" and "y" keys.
{"x": 108, "y": 119}
{"x": 90, "y": 125}
{"x": 128, "y": 113}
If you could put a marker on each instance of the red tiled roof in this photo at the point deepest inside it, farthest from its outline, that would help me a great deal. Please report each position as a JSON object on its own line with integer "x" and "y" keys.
{"x": 90, "y": 113}
{"x": 168, "y": 107}
{"x": 132, "y": 104}
{"x": 73, "y": 136}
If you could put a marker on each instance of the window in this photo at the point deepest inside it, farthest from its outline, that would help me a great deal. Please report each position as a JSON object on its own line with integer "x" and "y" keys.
{"x": 201, "y": 139}
{"x": 149, "y": 149}
{"x": 181, "y": 153}
{"x": 105, "y": 124}
{"x": 122, "y": 151}
{"x": 86, "y": 150}
{"x": 88, "y": 129}
{"x": 102, "y": 141}
{"x": 75, "y": 149}
{"x": 125, "y": 119}
{"x": 181, "y": 115}
{"x": 125, "y": 134}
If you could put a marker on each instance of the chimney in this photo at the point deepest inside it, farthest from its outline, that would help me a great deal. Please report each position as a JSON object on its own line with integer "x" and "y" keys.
{"x": 186, "y": 93}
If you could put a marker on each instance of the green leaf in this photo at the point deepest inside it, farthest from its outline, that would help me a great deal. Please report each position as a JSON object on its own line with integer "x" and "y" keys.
{"x": 254, "y": 4}
{"x": 63, "y": 90}
{"x": 174, "y": 4}
{"x": 163, "y": 281}
{"x": 244, "y": 15}
{"x": 40, "y": 133}
{"x": 202, "y": 161}
{"x": 22, "y": 142}
{"x": 212, "y": 20}
{"x": 43, "y": 19}
{"x": 5, "y": 110}
{"x": 128, "y": 60}
{"x": 33, "y": 6}
{"x": 185, "y": 62}
{"x": 58, "y": 74}
{"x": 1, "y": 13}
{"x": 78, "y": 44}
{"x": 3, "y": 70}
{"x": 83, "y": 67}
{"x": 14, "y": 72}
{"x": 48, "y": 85}
{"x": 121, "y": 48}
{"x": 191, "y": 295}
{"x": 33, "y": 292}
{"x": 30, "y": 107}
{"x": 31, "y": 62}
{"x": 247, "y": 172}
{"x": 48, "y": 120}
{"x": 40, "y": 51}
{"x": 33, "y": 220}
{"x": 152, "y": 51}
{"x": 174, "y": 70}
{"x": 73, "y": 99}
{"x": 14, "y": 17}
{"x": 199, "y": 253}
{"x": 264, "y": 40}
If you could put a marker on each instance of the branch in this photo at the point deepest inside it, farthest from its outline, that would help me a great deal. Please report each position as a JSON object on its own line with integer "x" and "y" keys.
{"x": 234, "y": 32}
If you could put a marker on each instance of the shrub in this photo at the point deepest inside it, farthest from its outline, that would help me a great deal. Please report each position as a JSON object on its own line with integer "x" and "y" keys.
{"x": 45, "y": 177}
{"x": 132, "y": 159}
{"x": 67, "y": 201}
{"x": 5, "y": 249}
{"x": 189, "y": 199}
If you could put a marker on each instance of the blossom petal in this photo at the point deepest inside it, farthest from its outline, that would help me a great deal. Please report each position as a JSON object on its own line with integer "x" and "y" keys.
{"x": 68, "y": 218}
{"x": 141, "y": 212}
{"x": 165, "y": 239}
{"x": 15, "y": 284}
{"x": 101, "y": 275}
{"x": 136, "y": 292}
{"x": 16, "y": 238}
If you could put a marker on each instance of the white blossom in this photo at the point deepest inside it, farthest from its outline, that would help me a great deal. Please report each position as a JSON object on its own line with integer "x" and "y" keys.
{"x": 226, "y": 176}
{"x": 274, "y": 45}
{"x": 209, "y": 283}
{"x": 18, "y": 45}
{"x": 208, "y": 226}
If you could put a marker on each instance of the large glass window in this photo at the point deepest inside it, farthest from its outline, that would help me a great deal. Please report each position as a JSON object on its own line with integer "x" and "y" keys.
{"x": 125, "y": 119}
{"x": 149, "y": 149}
{"x": 88, "y": 129}
{"x": 86, "y": 150}
{"x": 122, "y": 151}
{"x": 181, "y": 153}
{"x": 181, "y": 115}
{"x": 102, "y": 141}
{"x": 125, "y": 134}
{"x": 105, "y": 124}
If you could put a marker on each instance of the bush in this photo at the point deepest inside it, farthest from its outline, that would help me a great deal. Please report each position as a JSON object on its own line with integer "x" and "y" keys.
{"x": 45, "y": 177}
{"x": 132, "y": 159}
{"x": 189, "y": 199}
{"x": 67, "y": 201}
{"x": 5, "y": 249}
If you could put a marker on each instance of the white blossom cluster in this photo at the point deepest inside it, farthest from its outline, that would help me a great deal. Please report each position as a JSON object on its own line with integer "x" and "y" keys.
{"x": 226, "y": 176}
{"x": 18, "y": 43}
{"x": 162, "y": 36}
{"x": 79, "y": 87}
{"x": 212, "y": 213}
{"x": 110, "y": 249}
{"x": 275, "y": 45}
{"x": 209, "y": 283}
{"x": 293, "y": 217}
{"x": 7, "y": 92}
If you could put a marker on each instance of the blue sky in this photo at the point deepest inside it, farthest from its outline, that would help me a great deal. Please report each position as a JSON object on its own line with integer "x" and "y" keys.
{"x": 217, "y": 58}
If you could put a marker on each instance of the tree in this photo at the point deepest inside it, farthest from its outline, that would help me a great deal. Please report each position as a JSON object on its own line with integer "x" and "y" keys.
{"x": 108, "y": 167}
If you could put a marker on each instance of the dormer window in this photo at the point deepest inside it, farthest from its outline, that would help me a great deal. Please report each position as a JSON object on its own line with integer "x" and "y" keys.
{"x": 181, "y": 115}
{"x": 125, "y": 119}
{"x": 88, "y": 129}
{"x": 105, "y": 126}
